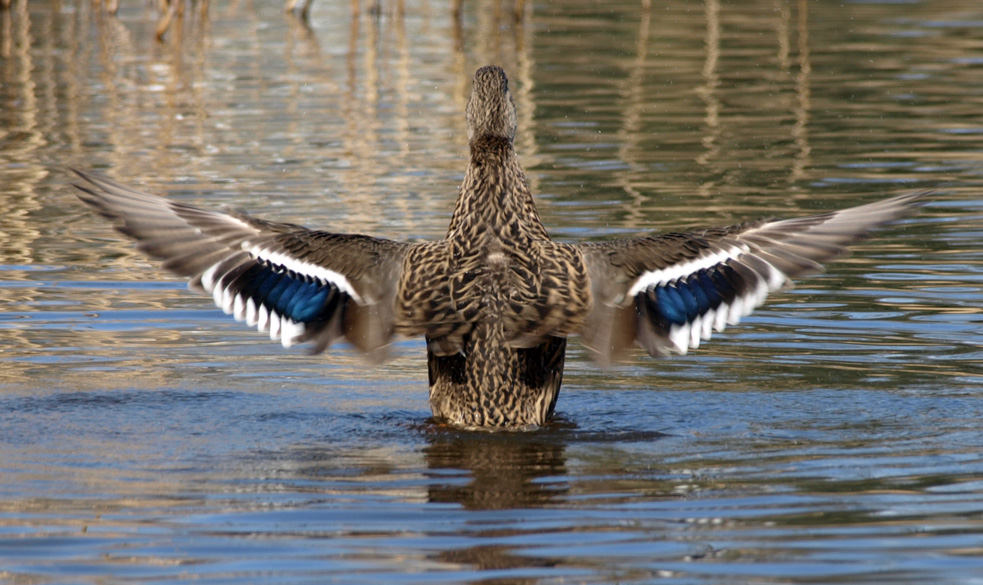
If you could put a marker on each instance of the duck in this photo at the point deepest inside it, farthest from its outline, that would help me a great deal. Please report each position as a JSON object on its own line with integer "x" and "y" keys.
{"x": 496, "y": 299}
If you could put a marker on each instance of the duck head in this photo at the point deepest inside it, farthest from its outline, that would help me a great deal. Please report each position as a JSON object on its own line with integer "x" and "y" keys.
{"x": 491, "y": 110}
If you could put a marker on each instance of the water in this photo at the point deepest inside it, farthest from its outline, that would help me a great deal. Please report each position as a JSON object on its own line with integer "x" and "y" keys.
{"x": 832, "y": 437}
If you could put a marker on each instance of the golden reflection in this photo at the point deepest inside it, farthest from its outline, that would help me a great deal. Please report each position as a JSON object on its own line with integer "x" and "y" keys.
{"x": 630, "y": 134}
{"x": 354, "y": 33}
{"x": 304, "y": 9}
{"x": 169, "y": 10}
{"x": 800, "y": 131}
{"x": 302, "y": 38}
{"x": 25, "y": 132}
{"x": 502, "y": 34}
{"x": 361, "y": 137}
{"x": 35, "y": 359}
{"x": 524, "y": 65}
{"x": 72, "y": 78}
{"x": 402, "y": 105}
{"x": 6, "y": 30}
{"x": 708, "y": 91}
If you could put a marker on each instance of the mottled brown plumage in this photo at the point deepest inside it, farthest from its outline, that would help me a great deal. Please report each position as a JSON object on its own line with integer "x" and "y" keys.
{"x": 496, "y": 299}
{"x": 502, "y": 296}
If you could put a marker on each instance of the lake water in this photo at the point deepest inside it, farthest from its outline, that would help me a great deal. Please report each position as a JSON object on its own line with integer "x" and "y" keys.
{"x": 834, "y": 436}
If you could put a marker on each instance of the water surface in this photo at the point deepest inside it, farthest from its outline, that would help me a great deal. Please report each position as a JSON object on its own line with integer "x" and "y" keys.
{"x": 834, "y": 436}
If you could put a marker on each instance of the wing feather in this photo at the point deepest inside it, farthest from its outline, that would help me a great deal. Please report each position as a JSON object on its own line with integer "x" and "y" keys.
{"x": 298, "y": 284}
{"x": 668, "y": 293}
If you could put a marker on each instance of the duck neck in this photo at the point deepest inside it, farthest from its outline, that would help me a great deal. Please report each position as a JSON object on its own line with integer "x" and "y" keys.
{"x": 494, "y": 196}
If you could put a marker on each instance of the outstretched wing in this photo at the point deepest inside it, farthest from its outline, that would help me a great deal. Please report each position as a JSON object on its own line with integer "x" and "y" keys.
{"x": 298, "y": 284}
{"x": 670, "y": 292}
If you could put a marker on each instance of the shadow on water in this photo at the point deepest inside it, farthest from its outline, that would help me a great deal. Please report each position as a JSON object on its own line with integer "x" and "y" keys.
{"x": 490, "y": 498}
{"x": 476, "y": 470}
{"x": 493, "y": 471}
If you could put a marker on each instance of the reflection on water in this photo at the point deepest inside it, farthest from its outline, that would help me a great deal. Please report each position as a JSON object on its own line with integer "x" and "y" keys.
{"x": 834, "y": 437}
{"x": 500, "y": 471}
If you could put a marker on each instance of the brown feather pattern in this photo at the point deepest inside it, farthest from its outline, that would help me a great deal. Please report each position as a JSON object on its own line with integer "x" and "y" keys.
{"x": 495, "y": 299}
